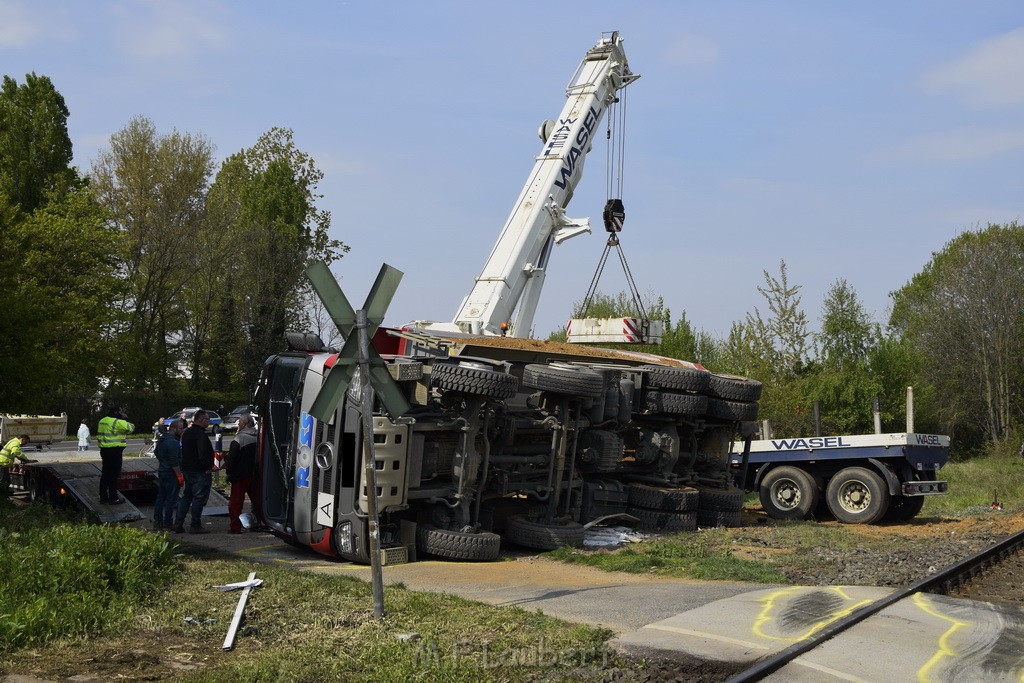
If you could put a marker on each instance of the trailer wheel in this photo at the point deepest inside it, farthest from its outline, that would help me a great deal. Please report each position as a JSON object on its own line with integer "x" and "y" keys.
{"x": 857, "y": 495}
{"x": 734, "y": 388}
{"x": 474, "y": 379}
{"x": 721, "y": 500}
{"x": 734, "y": 411}
{"x": 480, "y": 546}
{"x": 562, "y": 378}
{"x": 539, "y": 536}
{"x": 904, "y": 508}
{"x": 673, "y": 403}
{"x": 662, "y": 499}
{"x": 678, "y": 379}
{"x": 788, "y": 493}
{"x": 664, "y": 521}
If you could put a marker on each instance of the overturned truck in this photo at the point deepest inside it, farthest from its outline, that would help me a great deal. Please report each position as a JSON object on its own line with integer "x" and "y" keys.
{"x": 507, "y": 438}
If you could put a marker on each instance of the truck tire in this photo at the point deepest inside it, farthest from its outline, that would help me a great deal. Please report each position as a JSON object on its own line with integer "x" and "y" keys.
{"x": 904, "y": 508}
{"x": 677, "y": 379}
{"x": 788, "y": 493}
{"x": 710, "y": 519}
{"x": 539, "y": 536}
{"x": 563, "y": 378}
{"x": 733, "y": 388}
{"x": 663, "y": 521}
{"x": 673, "y": 403}
{"x": 662, "y": 499}
{"x": 734, "y": 411}
{"x": 721, "y": 500}
{"x": 478, "y": 381}
{"x": 857, "y": 495}
{"x": 475, "y": 546}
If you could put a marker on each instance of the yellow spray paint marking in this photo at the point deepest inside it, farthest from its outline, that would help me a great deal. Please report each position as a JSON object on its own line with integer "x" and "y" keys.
{"x": 924, "y": 674}
{"x": 770, "y": 601}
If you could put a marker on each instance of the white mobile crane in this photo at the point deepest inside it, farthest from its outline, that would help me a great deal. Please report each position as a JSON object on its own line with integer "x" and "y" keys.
{"x": 513, "y": 275}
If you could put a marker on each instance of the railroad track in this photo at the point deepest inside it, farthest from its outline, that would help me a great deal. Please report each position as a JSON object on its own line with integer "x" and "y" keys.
{"x": 951, "y": 580}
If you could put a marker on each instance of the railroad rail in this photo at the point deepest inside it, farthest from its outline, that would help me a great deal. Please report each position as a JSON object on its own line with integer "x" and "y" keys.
{"x": 940, "y": 582}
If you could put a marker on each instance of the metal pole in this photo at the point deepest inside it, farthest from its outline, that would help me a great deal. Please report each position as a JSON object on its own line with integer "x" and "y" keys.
{"x": 910, "y": 410}
{"x": 878, "y": 415}
{"x": 817, "y": 418}
{"x": 370, "y": 469}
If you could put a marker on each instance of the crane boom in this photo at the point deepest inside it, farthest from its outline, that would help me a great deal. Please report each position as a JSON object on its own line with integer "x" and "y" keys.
{"x": 514, "y": 272}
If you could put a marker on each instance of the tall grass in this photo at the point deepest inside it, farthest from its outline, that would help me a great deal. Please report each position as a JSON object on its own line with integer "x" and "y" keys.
{"x": 60, "y": 577}
{"x": 974, "y": 484}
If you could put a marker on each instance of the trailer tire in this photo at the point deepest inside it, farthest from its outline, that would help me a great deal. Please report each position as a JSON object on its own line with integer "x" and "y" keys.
{"x": 677, "y": 379}
{"x": 563, "y": 378}
{"x": 788, "y": 493}
{"x": 733, "y": 388}
{"x": 857, "y": 495}
{"x": 673, "y": 403}
{"x": 729, "y": 499}
{"x": 474, "y": 380}
{"x": 664, "y": 521}
{"x": 540, "y": 536}
{"x": 662, "y": 499}
{"x": 734, "y": 411}
{"x": 709, "y": 519}
{"x": 904, "y": 508}
{"x": 474, "y": 546}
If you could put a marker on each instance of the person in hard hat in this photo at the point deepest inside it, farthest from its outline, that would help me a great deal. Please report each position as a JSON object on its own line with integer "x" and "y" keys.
{"x": 8, "y": 454}
{"x": 112, "y": 436}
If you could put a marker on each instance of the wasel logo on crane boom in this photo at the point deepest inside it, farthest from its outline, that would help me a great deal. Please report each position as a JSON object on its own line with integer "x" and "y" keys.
{"x": 579, "y": 148}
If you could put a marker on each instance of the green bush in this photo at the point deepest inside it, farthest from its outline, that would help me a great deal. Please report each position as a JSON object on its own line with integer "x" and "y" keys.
{"x": 60, "y": 577}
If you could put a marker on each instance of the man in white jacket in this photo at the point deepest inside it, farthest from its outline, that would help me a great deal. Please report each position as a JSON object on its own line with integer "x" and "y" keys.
{"x": 83, "y": 437}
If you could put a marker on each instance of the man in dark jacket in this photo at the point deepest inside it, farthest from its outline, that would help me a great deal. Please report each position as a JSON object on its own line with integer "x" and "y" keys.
{"x": 197, "y": 469}
{"x": 241, "y": 466}
{"x": 168, "y": 454}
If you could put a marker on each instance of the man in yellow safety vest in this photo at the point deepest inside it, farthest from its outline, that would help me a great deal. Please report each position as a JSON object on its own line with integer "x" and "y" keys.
{"x": 8, "y": 454}
{"x": 112, "y": 436}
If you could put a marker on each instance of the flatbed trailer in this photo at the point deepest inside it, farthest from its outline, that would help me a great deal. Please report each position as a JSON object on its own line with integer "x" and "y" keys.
{"x": 71, "y": 479}
{"x": 862, "y": 478}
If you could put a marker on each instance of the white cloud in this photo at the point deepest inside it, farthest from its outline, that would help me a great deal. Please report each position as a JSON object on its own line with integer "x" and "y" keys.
{"x": 691, "y": 50}
{"x": 987, "y": 76}
{"x": 161, "y": 30}
{"x": 967, "y": 144}
{"x": 16, "y": 30}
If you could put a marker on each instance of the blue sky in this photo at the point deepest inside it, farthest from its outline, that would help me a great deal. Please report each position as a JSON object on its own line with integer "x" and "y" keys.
{"x": 851, "y": 140}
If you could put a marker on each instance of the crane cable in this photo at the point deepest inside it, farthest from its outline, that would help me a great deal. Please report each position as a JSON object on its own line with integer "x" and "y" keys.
{"x": 614, "y": 211}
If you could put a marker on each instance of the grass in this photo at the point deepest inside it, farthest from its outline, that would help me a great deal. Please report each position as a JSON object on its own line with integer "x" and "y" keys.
{"x": 111, "y": 602}
{"x": 974, "y": 484}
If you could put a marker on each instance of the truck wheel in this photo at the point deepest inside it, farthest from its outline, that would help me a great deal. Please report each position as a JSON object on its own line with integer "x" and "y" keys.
{"x": 473, "y": 379}
{"x": 666, "y": 522}
{"x": 721, "y": 500}
{"x": 904, "y": 508}
{"x": 733, "y": 388}
{"x": 458, "y": 545}
{"x": 562, "y": 378}
{"x": 662, "y": 499}
{"x": 857, "y": 495}
{"x": 709, "y": 519}
{"x": 788, "y": 493}
{"x": 538, "y": 536}
{"x": 734, "y": 411}
{"x": 678, "y": 379}
{"x": 673, "y": 403}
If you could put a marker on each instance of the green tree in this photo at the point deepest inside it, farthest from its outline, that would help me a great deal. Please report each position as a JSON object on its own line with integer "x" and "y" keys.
{"x": 963, "y": 312}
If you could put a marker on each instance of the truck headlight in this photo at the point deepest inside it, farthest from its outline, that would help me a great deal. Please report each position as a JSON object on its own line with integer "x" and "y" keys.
{"x": 344, "y": 537}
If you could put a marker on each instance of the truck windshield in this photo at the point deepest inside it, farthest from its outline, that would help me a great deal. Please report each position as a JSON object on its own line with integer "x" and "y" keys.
{"x": 280, "y": 388}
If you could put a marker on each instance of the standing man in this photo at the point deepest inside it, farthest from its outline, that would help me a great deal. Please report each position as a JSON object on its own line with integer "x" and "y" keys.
{"x": 197, "y": 468}
{"x": 168, "y": 455}
{"x": 112, "y": 436}
{"x": 8, "y": 454}
{"x": 83, "y": 436}
{"x": 241, "y": 466}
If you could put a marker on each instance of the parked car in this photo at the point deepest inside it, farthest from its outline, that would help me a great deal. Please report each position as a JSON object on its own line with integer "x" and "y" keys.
{"x": 187, "y": 413}
{"x": 230, "y": 423}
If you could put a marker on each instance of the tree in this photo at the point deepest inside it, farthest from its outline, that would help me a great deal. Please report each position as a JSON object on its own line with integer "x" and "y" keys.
{"x": 35, "y": 149}
{"x": 154, "y": 190}
{"x": 964, "y": 313}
